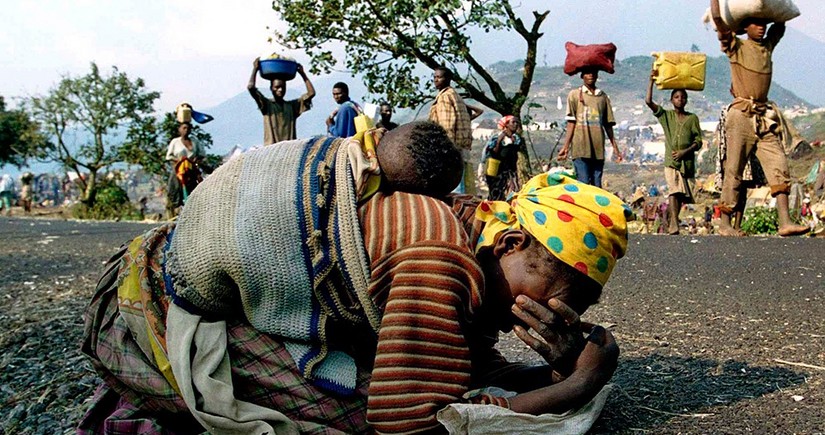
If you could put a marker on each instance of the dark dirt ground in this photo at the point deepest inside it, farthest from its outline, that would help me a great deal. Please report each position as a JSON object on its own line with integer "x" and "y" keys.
{"x": 703, "y": 324}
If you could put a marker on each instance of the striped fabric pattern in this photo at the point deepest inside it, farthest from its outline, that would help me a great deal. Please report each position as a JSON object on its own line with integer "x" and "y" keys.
{"x": 427, "y": 279}
{"x": 424, "y": 278}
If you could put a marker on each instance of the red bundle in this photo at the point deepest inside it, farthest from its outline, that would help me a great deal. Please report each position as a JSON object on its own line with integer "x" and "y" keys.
{"x": 593, "y": 56}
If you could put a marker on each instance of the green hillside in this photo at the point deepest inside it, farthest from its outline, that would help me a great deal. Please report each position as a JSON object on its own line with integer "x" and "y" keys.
{"x": 627, "y": 89}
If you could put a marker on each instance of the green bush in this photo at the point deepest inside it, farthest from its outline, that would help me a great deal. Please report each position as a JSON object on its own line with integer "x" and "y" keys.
{"x": 111, "y": 203}
{"x": 760, "y": 220}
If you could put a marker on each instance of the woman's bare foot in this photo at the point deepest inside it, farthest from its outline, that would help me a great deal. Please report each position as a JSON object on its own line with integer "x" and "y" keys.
{"x": 793, "y": 230}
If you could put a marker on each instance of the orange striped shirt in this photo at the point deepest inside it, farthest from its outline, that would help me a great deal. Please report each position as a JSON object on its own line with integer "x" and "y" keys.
{"x": 429, "y": 283}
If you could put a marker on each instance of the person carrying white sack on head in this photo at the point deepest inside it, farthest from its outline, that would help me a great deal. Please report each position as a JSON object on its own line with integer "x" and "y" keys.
{"x": 751, "y": 122}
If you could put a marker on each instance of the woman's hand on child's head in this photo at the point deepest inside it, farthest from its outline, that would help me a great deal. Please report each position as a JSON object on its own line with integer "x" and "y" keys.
{"x": 558, "y": 326}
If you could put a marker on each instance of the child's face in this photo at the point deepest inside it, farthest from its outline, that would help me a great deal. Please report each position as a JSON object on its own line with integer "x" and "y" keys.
{"x": 590, "y": 77}
{"x": 679, "y": 99}
{"x": 756, "y": 29}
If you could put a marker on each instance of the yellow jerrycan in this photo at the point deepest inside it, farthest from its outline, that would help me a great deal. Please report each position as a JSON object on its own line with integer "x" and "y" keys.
{"x": 493, "y": 166}
{"x": 183, "y": 113}
{"x": 365, "y": 133}
{"x": 680, "y": 70}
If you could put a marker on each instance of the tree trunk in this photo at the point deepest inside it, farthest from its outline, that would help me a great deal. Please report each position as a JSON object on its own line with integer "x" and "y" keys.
{"x": 525, "y": 172}
{"x": 91, "y": 189}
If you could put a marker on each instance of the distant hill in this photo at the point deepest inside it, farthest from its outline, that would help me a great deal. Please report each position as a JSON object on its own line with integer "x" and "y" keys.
{"x": 238, "y": 122}
{"x": 808, "y": 80}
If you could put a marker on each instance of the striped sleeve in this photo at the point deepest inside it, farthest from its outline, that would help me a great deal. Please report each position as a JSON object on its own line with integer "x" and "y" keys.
{"x": 428, "y": 282}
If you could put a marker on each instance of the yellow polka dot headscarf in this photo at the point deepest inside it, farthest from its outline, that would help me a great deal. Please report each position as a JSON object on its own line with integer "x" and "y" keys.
{"x": 581, "y": 225}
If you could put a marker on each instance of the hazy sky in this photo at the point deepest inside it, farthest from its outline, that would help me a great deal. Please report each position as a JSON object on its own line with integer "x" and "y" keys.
{"x": 201, "y": 50}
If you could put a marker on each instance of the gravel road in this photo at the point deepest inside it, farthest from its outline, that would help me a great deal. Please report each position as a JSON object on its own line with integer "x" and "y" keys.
{"x": 717, "y": 335}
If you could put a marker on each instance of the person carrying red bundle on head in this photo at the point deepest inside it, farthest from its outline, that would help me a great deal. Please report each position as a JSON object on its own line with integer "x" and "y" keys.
{"x": 589, "y": 113}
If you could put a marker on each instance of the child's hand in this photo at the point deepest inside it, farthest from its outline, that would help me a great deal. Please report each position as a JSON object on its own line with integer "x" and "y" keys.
{"x": 678, "y": 155}
{"x": 559, "y": 328}
{"x": 563, "y": 153}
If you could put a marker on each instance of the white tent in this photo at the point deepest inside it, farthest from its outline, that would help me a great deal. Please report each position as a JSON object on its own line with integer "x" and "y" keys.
{"x": 657, "y": 148}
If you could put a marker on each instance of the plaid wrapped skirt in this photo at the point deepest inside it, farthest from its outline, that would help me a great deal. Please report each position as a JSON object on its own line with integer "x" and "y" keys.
{"x": 139, "y": 394}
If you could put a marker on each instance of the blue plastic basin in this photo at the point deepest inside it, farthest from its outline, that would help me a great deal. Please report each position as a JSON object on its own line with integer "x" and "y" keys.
{"x": 281, "y": 69}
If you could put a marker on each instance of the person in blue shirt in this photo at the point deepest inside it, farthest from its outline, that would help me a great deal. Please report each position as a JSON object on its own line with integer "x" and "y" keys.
{"x": 341, "y": 122}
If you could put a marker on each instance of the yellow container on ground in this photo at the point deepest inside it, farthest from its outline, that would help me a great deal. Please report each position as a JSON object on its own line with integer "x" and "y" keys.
{"x": 680, "y": 70}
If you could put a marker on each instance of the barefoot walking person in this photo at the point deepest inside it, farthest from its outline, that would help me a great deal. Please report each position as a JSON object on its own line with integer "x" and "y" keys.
{"x": 750, "y": 125}
{"x": 683, "y": 137}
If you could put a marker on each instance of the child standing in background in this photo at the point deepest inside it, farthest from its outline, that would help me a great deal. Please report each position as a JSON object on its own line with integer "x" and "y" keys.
{"x": 589, "y": 119}
{"x": 683, "y": 137}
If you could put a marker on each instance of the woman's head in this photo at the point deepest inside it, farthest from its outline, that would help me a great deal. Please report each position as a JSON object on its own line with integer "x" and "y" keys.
{"x": 557, "y": 238}
{"x": 531, "y": 270}
{"x": 184, "y": 128}
{"x": 508, "y": 124}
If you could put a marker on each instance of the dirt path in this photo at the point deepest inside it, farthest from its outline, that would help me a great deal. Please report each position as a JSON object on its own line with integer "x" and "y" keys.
{"x": 704, "y": 324}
